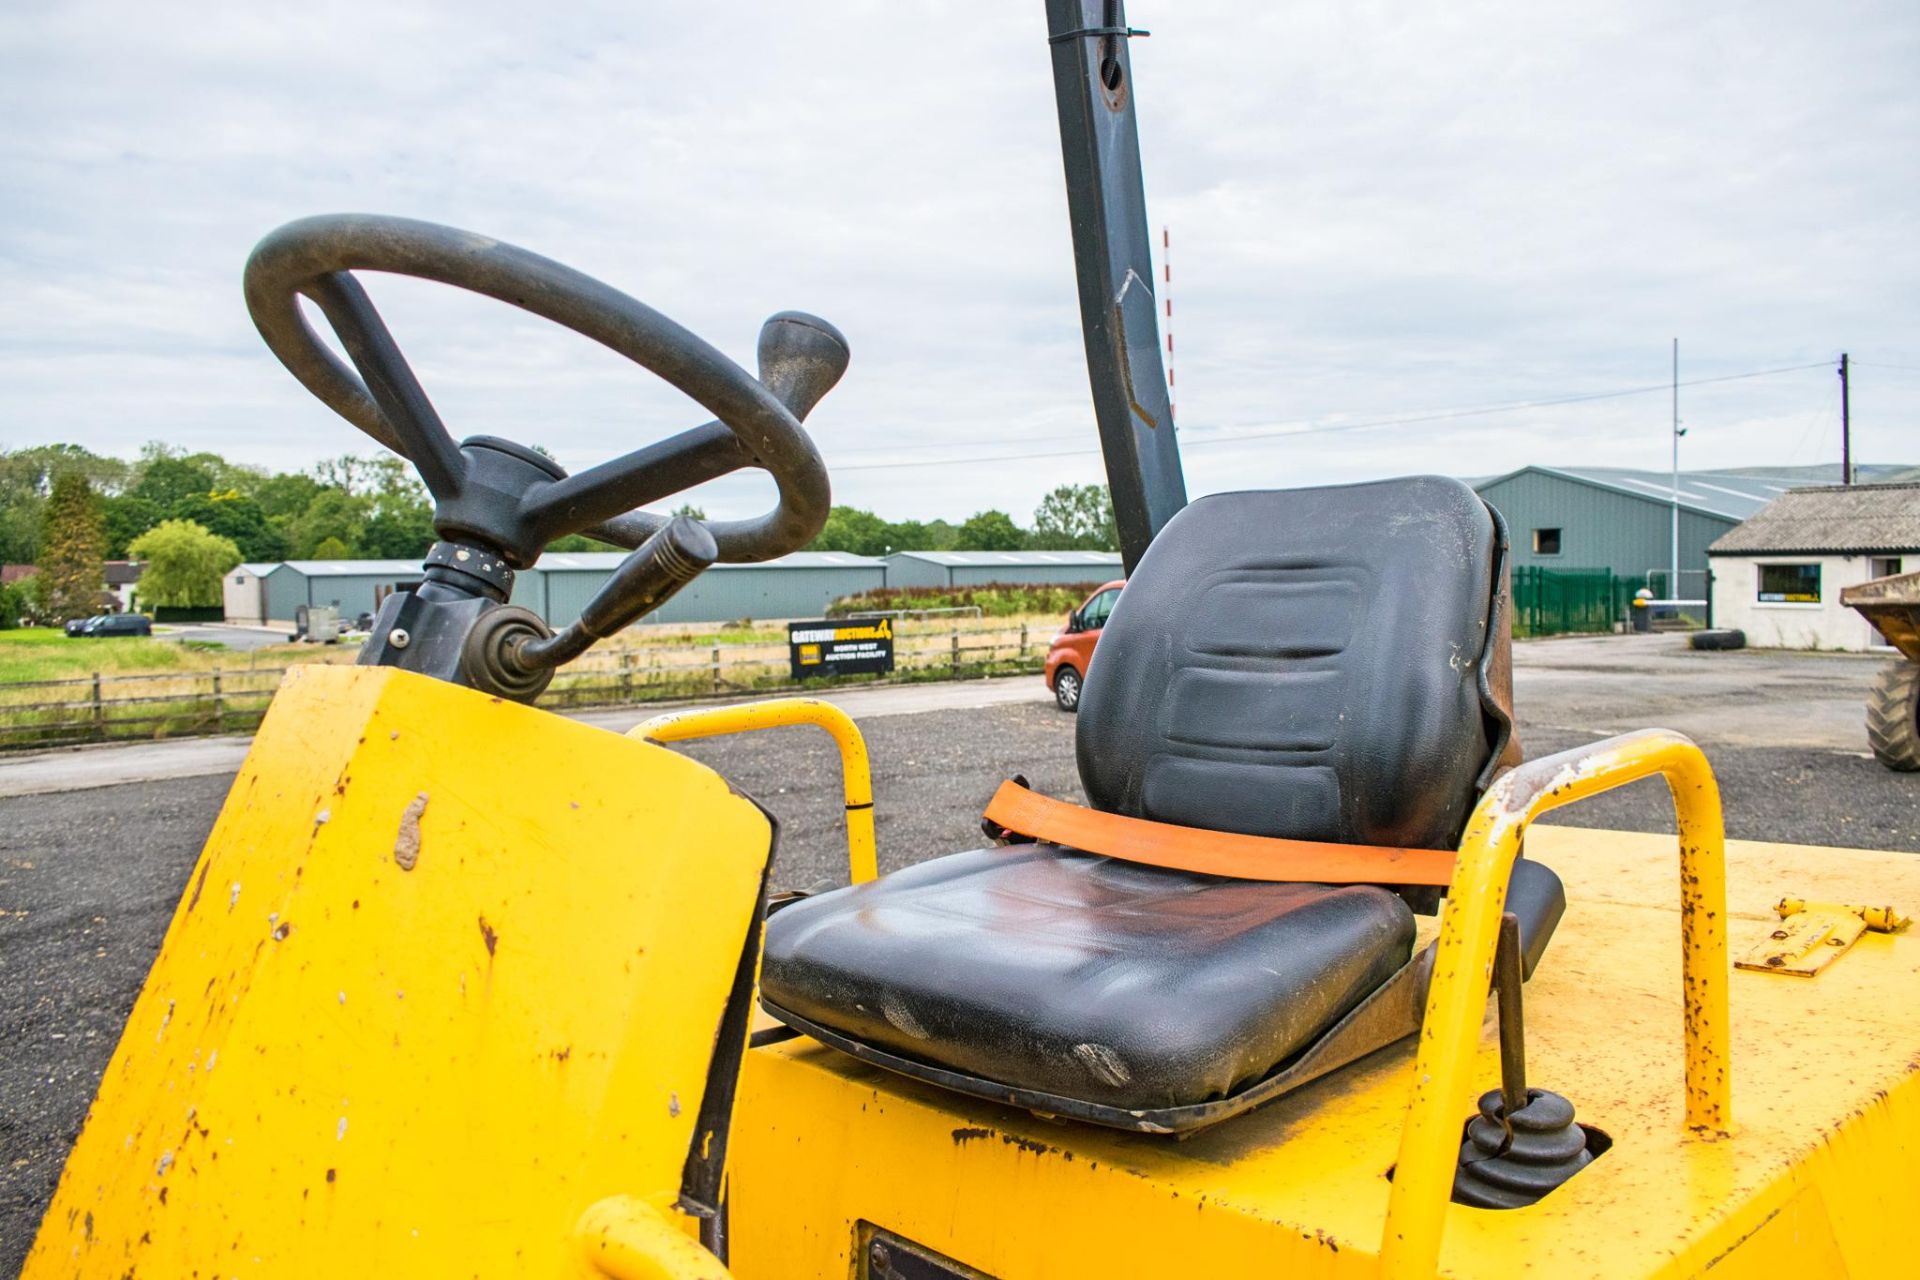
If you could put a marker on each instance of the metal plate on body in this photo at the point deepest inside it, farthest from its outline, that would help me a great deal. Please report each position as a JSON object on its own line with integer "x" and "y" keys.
{"x": 886, "y": 1256}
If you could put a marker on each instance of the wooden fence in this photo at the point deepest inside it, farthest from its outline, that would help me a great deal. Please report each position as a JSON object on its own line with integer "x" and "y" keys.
{"x": 105, "y": 707}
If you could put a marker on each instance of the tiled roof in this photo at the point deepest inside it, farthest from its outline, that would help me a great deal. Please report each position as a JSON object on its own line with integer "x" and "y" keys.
{"x": 1859, "y": 518}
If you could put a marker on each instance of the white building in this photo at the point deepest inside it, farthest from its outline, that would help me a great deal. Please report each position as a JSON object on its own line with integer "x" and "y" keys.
{"x": 1778, "y": 576}
{"x": 246, "y": 594}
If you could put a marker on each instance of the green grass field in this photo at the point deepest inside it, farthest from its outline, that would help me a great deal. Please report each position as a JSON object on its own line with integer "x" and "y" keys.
{"x": 159, "y": 688}
{"x": 43, "y": 653}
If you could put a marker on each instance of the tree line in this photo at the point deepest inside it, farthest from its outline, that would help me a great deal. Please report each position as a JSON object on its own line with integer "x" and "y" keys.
{"x": 1073, "y": 517}
{"x": 347, "y": 508}
{"x": 194, "y": 516}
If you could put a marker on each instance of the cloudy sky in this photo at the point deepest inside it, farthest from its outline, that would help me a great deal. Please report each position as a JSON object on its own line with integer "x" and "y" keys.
{"x": 1379, "y": 212}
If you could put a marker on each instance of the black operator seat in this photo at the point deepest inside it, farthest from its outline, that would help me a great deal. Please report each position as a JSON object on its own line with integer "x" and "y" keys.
{"x": 1319, "y": 664}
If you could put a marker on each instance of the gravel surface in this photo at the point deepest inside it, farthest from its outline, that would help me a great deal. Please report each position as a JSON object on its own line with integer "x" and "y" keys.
{"x": 88, "y": 879}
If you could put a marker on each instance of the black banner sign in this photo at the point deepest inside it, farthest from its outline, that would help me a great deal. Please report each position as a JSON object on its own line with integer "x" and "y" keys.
{"x": 847, "y": 646}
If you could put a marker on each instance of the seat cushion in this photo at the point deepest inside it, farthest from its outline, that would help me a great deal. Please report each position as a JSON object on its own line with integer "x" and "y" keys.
{"x": 1084, "y": 977}
{"x": 1307, "y": 664}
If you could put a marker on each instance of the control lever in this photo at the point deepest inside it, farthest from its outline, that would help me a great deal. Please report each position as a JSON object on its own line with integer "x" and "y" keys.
{"x": 1524, "y": 1142}
{"x": 676, "y": 555}
{"x": 511, "y": 653}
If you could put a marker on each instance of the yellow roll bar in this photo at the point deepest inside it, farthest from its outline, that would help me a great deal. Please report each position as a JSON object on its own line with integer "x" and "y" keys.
{"x": 776, "y": 713}
{"x": 1463, "y": 964}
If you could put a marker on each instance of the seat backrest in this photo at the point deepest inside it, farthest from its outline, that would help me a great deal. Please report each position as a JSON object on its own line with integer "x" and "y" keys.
{"x": 1317, "y": 664}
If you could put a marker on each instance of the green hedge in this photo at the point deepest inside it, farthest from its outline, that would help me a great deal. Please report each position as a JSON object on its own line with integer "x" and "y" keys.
{"x": 993, "y": 599}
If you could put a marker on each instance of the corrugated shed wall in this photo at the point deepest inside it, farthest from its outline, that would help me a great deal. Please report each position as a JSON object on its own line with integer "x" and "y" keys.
{"x": 288, "y": 588}
{"x": 911, "y": 571}
{"x": 530, "y": 588}
{"x": 718, "y": 595}
{"x": 285, "y": 587}
{"x": 1600, "y": 528}
{"x": 353, "y": 593}
{"x": 977, "y": 575}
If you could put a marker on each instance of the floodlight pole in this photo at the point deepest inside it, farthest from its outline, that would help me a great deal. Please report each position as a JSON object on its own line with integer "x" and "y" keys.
{"x": 1673, "y": 564}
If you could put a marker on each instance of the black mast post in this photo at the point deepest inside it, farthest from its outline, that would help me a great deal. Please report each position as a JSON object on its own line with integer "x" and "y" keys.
{"x": 1113, "y": 258}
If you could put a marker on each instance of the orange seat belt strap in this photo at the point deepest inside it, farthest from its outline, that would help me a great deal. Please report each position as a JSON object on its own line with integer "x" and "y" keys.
{"x": 1215, "y": 853}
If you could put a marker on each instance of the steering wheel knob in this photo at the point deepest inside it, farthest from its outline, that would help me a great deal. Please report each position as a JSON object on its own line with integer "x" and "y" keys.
{"x": 801, "y": 358}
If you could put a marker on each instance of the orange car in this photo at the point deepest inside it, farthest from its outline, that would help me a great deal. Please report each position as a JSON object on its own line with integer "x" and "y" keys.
{"x": 1072, "y": 649}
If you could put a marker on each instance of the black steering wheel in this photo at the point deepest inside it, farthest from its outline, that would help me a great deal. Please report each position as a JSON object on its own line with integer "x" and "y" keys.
{"x": 500, "y": 495}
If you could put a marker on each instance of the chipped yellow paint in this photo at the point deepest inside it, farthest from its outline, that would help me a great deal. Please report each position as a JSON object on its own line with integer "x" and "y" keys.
{"x": 622, "y": 1238}
{"x": 445, "y": 977}
{"x": 776, "y": 713}
{"x": 440, "y": 1001}
{"x": 1463, "y": 964}
{"x": 1817, "y": 1178}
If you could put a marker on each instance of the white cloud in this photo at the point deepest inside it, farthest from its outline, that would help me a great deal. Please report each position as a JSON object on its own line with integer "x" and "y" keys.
{"x": 1377, "y": 210}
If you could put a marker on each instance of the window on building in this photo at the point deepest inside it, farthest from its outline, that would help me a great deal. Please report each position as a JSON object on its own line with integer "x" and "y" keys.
{"x": 1546, "y": 542}
{"x": 1789, "y": 584}
{"x": 1884, "y": 567}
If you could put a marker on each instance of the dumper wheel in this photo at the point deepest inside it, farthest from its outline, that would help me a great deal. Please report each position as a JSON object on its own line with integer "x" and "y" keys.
{"x": 1893, "y": 716}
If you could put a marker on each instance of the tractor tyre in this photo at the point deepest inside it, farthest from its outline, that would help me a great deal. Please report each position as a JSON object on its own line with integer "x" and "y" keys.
{"x": 1718, "y": 640}
{"x": 1893, "y": 716}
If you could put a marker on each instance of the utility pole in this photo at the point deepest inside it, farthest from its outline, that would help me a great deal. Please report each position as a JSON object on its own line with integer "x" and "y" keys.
{"x": 1846, "y": 427}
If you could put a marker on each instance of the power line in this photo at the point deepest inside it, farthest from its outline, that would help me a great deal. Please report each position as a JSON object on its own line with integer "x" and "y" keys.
{"x": 1188, "y": 440}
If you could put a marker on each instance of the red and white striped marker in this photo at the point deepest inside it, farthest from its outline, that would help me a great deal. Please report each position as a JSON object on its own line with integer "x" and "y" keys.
{"x": 1166, "y": 296}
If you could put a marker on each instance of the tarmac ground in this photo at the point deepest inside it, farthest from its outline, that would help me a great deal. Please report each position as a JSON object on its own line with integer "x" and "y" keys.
{"x": 92, "y": 865}
{"x": 238, "y": 639}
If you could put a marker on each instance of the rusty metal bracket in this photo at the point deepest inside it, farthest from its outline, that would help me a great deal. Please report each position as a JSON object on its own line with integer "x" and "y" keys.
{"x": 1812, "y": 935}
{"x": 1804, "y": 944}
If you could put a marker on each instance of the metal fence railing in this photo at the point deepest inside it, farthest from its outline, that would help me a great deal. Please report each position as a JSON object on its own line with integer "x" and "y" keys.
{"x": 103, "y": 707}
{"x": 1554, "y": 602}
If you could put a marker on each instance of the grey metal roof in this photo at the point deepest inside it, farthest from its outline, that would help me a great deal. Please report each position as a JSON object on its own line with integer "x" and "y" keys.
{"x": 1005, "y": 559}
{"x": 604, "y": 561}
{"x": 600, "y": 561}
{"x": 260, "y": 568}
{"x": 349, "y": 568}
{"x": 1831, "y": 519}
{"x": 1708, "y": 492}
{"x": 1732, "y": 493}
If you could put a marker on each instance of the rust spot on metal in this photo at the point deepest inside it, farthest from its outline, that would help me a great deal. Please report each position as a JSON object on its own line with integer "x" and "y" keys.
{"x": 281, "y": 930}
{"x": 966, "y": 1134}
{"x": 561, "y": 1055}
{"x": 406, "y": 846}
{"x": 198, "y": 885}
{"x": 330, "y": 1175}
{"x": 488, "y": 935}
